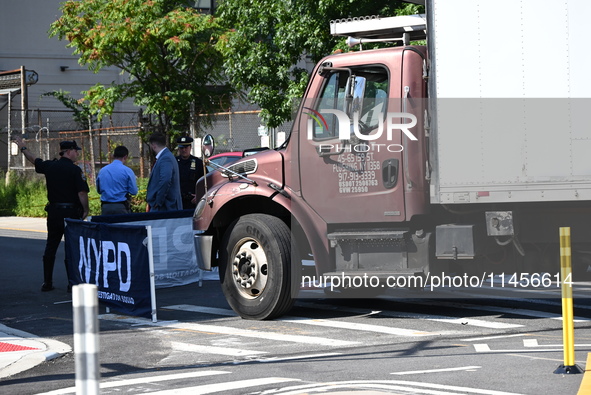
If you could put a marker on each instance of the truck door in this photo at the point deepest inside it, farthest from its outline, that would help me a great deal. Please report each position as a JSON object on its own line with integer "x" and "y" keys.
{"x": 353, "y": 175}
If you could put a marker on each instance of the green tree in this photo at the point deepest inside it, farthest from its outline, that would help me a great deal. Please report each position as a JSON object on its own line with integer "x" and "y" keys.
{"x": 268, "y": 38}
{"x": 80, "y": 111}
{"x": 166, "y": 51}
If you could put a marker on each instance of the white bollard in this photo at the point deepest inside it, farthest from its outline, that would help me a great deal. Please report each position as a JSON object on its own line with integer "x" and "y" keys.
{"x": 86, "y": 344}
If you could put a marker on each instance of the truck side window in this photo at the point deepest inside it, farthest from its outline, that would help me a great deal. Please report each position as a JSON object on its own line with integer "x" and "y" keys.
{"x": 333, "y": 97}
{"x": 373, "y": 105}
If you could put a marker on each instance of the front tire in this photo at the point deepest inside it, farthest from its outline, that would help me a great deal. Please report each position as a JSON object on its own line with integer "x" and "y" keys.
{"x": 255, "y": 267}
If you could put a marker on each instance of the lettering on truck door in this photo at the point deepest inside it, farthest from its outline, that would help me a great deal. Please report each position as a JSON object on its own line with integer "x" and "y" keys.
{"x": 353, "y": 175}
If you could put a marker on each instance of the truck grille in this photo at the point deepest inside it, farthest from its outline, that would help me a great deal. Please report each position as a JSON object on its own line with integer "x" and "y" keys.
{"x": 246, "y": 167}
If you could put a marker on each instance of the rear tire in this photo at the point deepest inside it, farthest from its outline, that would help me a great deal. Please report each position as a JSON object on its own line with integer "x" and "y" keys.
{"x": 255, "y": 268}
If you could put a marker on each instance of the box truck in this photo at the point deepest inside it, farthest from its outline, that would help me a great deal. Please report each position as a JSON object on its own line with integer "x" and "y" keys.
{"x": 464, "y": 156}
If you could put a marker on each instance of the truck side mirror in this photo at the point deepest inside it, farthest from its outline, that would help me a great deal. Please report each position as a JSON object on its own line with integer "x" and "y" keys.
{"x": 358, "y": 94}
{"x": 354, "y": 94}
{"x": 207, "y": 146}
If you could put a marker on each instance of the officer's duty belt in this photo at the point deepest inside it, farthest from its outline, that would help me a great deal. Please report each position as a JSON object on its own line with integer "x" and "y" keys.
{"x": 62, "y": 205}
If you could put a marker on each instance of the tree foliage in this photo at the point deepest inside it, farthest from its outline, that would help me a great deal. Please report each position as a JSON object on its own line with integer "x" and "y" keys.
{"x": 269, "y": 38}
{"x": 81, "y": 111}
{"x": 167, "y": 53}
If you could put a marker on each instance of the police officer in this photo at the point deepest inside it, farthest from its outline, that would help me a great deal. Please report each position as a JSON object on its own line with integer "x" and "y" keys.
{"x": 190, "y": 170}
{"x": 67, "y": 194}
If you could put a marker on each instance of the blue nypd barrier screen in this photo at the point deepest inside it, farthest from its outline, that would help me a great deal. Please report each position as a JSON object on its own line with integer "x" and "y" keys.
{"x": 175, "y": 263}
{"x": 115, "y": 259}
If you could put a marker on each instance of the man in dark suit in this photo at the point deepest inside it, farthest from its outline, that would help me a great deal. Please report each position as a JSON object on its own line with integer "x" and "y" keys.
{"x": 164, "y": 191}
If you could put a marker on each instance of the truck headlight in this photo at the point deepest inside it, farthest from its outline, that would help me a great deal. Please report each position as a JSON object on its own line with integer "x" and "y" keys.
{"x": 200, "y": 208}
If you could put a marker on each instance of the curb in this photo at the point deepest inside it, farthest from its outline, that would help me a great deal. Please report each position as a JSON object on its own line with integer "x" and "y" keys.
{"x": 12, "y": 363}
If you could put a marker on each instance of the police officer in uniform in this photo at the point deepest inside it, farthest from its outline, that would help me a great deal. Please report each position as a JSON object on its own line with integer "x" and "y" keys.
{"x": 190, "y": 170}
{"x": 67, "y": 193}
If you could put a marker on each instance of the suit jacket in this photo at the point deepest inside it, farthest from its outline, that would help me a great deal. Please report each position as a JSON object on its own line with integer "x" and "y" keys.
{"x": 164, "y": 188}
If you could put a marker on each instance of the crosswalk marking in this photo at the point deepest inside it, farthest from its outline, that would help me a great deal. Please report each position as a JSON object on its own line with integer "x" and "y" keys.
{"x": 226, "y": 330}
{"x": 477, "y": 339}
{"x": 504, "y": 310}
{"x": 222, "y": 387}
{"x": 316, "y": 322}
{"x": 428, "y": 317}
{"x": 467, "y": 368}
{"x": 534, "y": 343}
{"x": 358, "y": 326}
{"x": 530, "y": 343}
{"x": 143, "y": 380}
{"x": 364, "y": 327}
{"x": 389, "y": 386}
{"x": 485, "y": 348}
{"x": 233, "y": 352}
{"x": 294, "y": 358}
{"x": 203, "y": 309}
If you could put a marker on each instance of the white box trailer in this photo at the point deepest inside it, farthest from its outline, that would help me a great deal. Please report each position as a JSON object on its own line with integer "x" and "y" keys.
{"x": 509, "y": 100}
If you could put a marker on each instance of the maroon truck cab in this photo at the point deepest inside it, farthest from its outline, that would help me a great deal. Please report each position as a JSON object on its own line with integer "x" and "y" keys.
{"x": 349, "y": 198}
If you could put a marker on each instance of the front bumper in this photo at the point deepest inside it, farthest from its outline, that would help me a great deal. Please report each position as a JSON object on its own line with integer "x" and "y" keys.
{"x": 203, "y": 245}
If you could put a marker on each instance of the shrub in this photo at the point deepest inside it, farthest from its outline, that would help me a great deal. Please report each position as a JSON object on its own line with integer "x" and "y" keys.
{"x": 26, "y": 196}
{"x": 22, "y": 196}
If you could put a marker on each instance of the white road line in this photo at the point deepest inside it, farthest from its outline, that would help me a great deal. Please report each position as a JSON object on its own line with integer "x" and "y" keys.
{"x": 530, "y": 343}
{"x": 316, "y": 322}
{"x": 485, "y": 348}
{"x": 476, "y": 339}
{"x": 226, "y": 330}
{"x": 358, "y": 326}
{"x": 221, "y": 387}
{"x": 534, "y": 343}
{"x": 391, "y": 386}
{"x": 505, "y": 310}
{"x": 476, "y": 322}
{"x": 428, "y": 317}
{"x": 203, "y": 309}
{"x": 234, "y": 352}
{"x": 283, "y": 359}
{"x": 481, "y": 348}
{"x": 143, "y": 380}
{"x": 438, "y": 370}
{"x": 454, "y": 388}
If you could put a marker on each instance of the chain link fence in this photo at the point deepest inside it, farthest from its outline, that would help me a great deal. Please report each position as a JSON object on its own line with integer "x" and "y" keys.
{"x": 241, "y": 130}
{"x": 233, "y": 131}
{"x": 46, "y": 128}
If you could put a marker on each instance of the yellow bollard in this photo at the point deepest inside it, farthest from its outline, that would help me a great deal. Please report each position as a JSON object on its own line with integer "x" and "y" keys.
{"x": 568, "y": 327}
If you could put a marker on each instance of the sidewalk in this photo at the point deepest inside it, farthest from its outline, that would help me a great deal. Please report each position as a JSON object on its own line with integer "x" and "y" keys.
{"x": 27, "y": 224}
{"x": 20, "y": 351}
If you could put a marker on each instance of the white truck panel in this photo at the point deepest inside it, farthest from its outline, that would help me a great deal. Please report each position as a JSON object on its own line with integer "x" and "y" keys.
{"x": 510, "y": 121}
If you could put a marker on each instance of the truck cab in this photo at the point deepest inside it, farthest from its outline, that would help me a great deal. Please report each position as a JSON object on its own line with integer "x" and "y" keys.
{"x": 347, "y": 190}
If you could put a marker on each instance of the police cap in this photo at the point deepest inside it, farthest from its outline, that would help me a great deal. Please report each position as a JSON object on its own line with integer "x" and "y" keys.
{"x": 184, "y": 141}
{"x": 66, "y": 145}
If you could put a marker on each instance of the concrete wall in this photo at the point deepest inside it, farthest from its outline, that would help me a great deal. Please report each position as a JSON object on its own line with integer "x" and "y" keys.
{"x": 24, "y": 41}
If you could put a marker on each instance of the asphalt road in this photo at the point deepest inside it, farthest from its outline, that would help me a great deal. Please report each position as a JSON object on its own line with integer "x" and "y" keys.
{"x": 198, "y": 345}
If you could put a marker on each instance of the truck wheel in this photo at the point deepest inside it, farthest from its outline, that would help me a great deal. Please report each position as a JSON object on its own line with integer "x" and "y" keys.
{"x": 255, "y": 267}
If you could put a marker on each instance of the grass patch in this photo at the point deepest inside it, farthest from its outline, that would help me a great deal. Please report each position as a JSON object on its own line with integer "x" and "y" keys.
{"x": 26, "y": 196}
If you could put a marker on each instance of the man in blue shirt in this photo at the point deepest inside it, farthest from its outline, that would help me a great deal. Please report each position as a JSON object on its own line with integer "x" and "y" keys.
{"x": 116, "y": 183}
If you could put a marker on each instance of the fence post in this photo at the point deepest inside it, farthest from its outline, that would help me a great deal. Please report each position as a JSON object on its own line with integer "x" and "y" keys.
{"x": 86, "y": 342}
{"x": 91, "y": 143}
